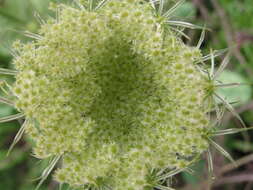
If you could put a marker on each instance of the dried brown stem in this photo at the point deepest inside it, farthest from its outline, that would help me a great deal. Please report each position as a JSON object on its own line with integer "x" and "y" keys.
{"x": 239, "y": 163}
{"x": 236, "y": 178}
{"x": 230, "y": 37}
{"x": 203, "y": 10}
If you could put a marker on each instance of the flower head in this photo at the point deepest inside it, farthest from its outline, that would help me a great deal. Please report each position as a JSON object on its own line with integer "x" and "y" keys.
{"x": 114, "y": 93}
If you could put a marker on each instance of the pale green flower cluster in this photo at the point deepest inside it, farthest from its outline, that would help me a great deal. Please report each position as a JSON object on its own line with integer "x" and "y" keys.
{"x": 114, "y": 93}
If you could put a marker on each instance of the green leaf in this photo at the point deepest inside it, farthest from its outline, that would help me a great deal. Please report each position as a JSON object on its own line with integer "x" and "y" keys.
{"x": 5, "y": 110}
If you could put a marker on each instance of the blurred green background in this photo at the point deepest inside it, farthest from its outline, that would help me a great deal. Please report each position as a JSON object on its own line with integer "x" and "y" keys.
{"x": 231, "y": 24}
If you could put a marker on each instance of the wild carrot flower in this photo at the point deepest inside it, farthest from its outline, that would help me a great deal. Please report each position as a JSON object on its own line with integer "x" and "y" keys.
{"x": 113, "y": 91}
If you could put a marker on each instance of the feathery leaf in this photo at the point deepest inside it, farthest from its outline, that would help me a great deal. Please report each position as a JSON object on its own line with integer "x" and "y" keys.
{"x": 6, "y": 101}
{"x": 101, "y": 4}
{"x": 183, "y": 24}
{"x": 11, "y": 117}
{"x": 7, "y": 71}
{"x": 230, "y": 131}
{"x": 221, "y": 150}
{"x": 222, "y": 66}
{"x": 17, "y": 137}
{"x": 201, "y": 39}
{"x": 48, "y": 170}
{"x": 173, "y": 9}
{"x": 170, "y": 174}
{"x": 230, "y": 108}
{"x": 161, "y": 5}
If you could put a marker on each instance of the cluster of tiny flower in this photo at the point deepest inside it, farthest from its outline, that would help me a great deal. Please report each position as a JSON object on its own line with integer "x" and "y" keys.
{"x": 114, "y": 93}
